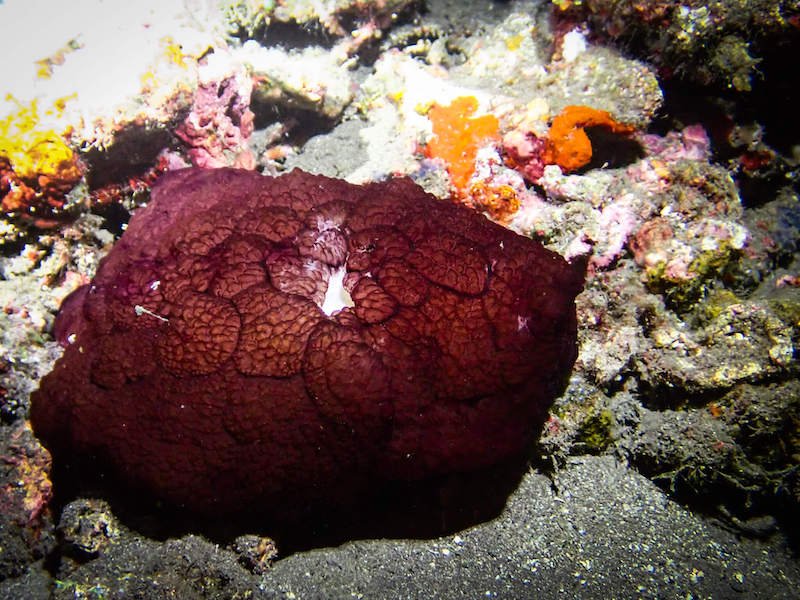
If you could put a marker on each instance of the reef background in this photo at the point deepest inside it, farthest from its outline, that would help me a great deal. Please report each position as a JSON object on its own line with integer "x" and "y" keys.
{"x": 669, "y": 467}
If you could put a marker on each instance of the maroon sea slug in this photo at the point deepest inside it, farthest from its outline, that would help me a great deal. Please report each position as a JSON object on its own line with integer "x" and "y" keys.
{"x": 264, "y": 342}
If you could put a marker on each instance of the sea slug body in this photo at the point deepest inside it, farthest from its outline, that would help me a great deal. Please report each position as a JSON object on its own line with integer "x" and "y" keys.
{"x": 256, "y": 341}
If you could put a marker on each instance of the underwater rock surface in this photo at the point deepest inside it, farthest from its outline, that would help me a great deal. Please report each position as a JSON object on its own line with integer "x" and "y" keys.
{"x": 280, "y": 342}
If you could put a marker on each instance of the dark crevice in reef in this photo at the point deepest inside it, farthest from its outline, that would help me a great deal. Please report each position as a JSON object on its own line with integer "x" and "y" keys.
{"x": 134, "y": 151}
{"x": 775, "y": 95}
{"x": 744, "y": 512}
{"x": 766, "y": 165}
{"x": 611, "y": 150}
{"x": 14, "y": 247}
{"x": 290, "y": 35}
{"x": 300, "y": 123}
{"x": 52, "y": 561}
{"x": 664, "y": 397}
{"x": 687, "y": 104}
{"x": 675, "y": 396}
{"x": 115, "y": 217}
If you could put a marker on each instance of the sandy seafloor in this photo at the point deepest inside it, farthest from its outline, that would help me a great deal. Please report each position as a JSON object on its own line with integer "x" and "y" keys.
{"x": 668, "y": 469}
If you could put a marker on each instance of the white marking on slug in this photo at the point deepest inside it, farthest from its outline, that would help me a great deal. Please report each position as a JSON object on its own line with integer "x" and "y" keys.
{"x": 141, "y": 310}
{"x": 336, "y": 296}
{"x": 324, "y": 224}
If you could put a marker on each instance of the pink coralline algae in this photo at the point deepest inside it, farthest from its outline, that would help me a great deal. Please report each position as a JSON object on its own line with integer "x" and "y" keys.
{"x": 279, "y": 342}
{"x": 217, "y": 129}
{"x": 525, "y": 153}
{"x": 692, "y": 143}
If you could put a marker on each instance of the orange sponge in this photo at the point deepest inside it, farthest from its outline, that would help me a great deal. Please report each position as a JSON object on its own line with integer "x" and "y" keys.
{"x": 458, "y": 136}
{"x": 568, "y": 146}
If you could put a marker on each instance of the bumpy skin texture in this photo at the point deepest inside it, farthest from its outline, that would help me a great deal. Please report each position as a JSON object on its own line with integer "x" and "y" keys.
{"x": 200, "y": 366}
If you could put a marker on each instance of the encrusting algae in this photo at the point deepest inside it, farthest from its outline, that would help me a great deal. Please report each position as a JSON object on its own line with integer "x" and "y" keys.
{"x": 34, "y": 150}
{"x": 458, "y": 136}
{"x": 37, "y": 166}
